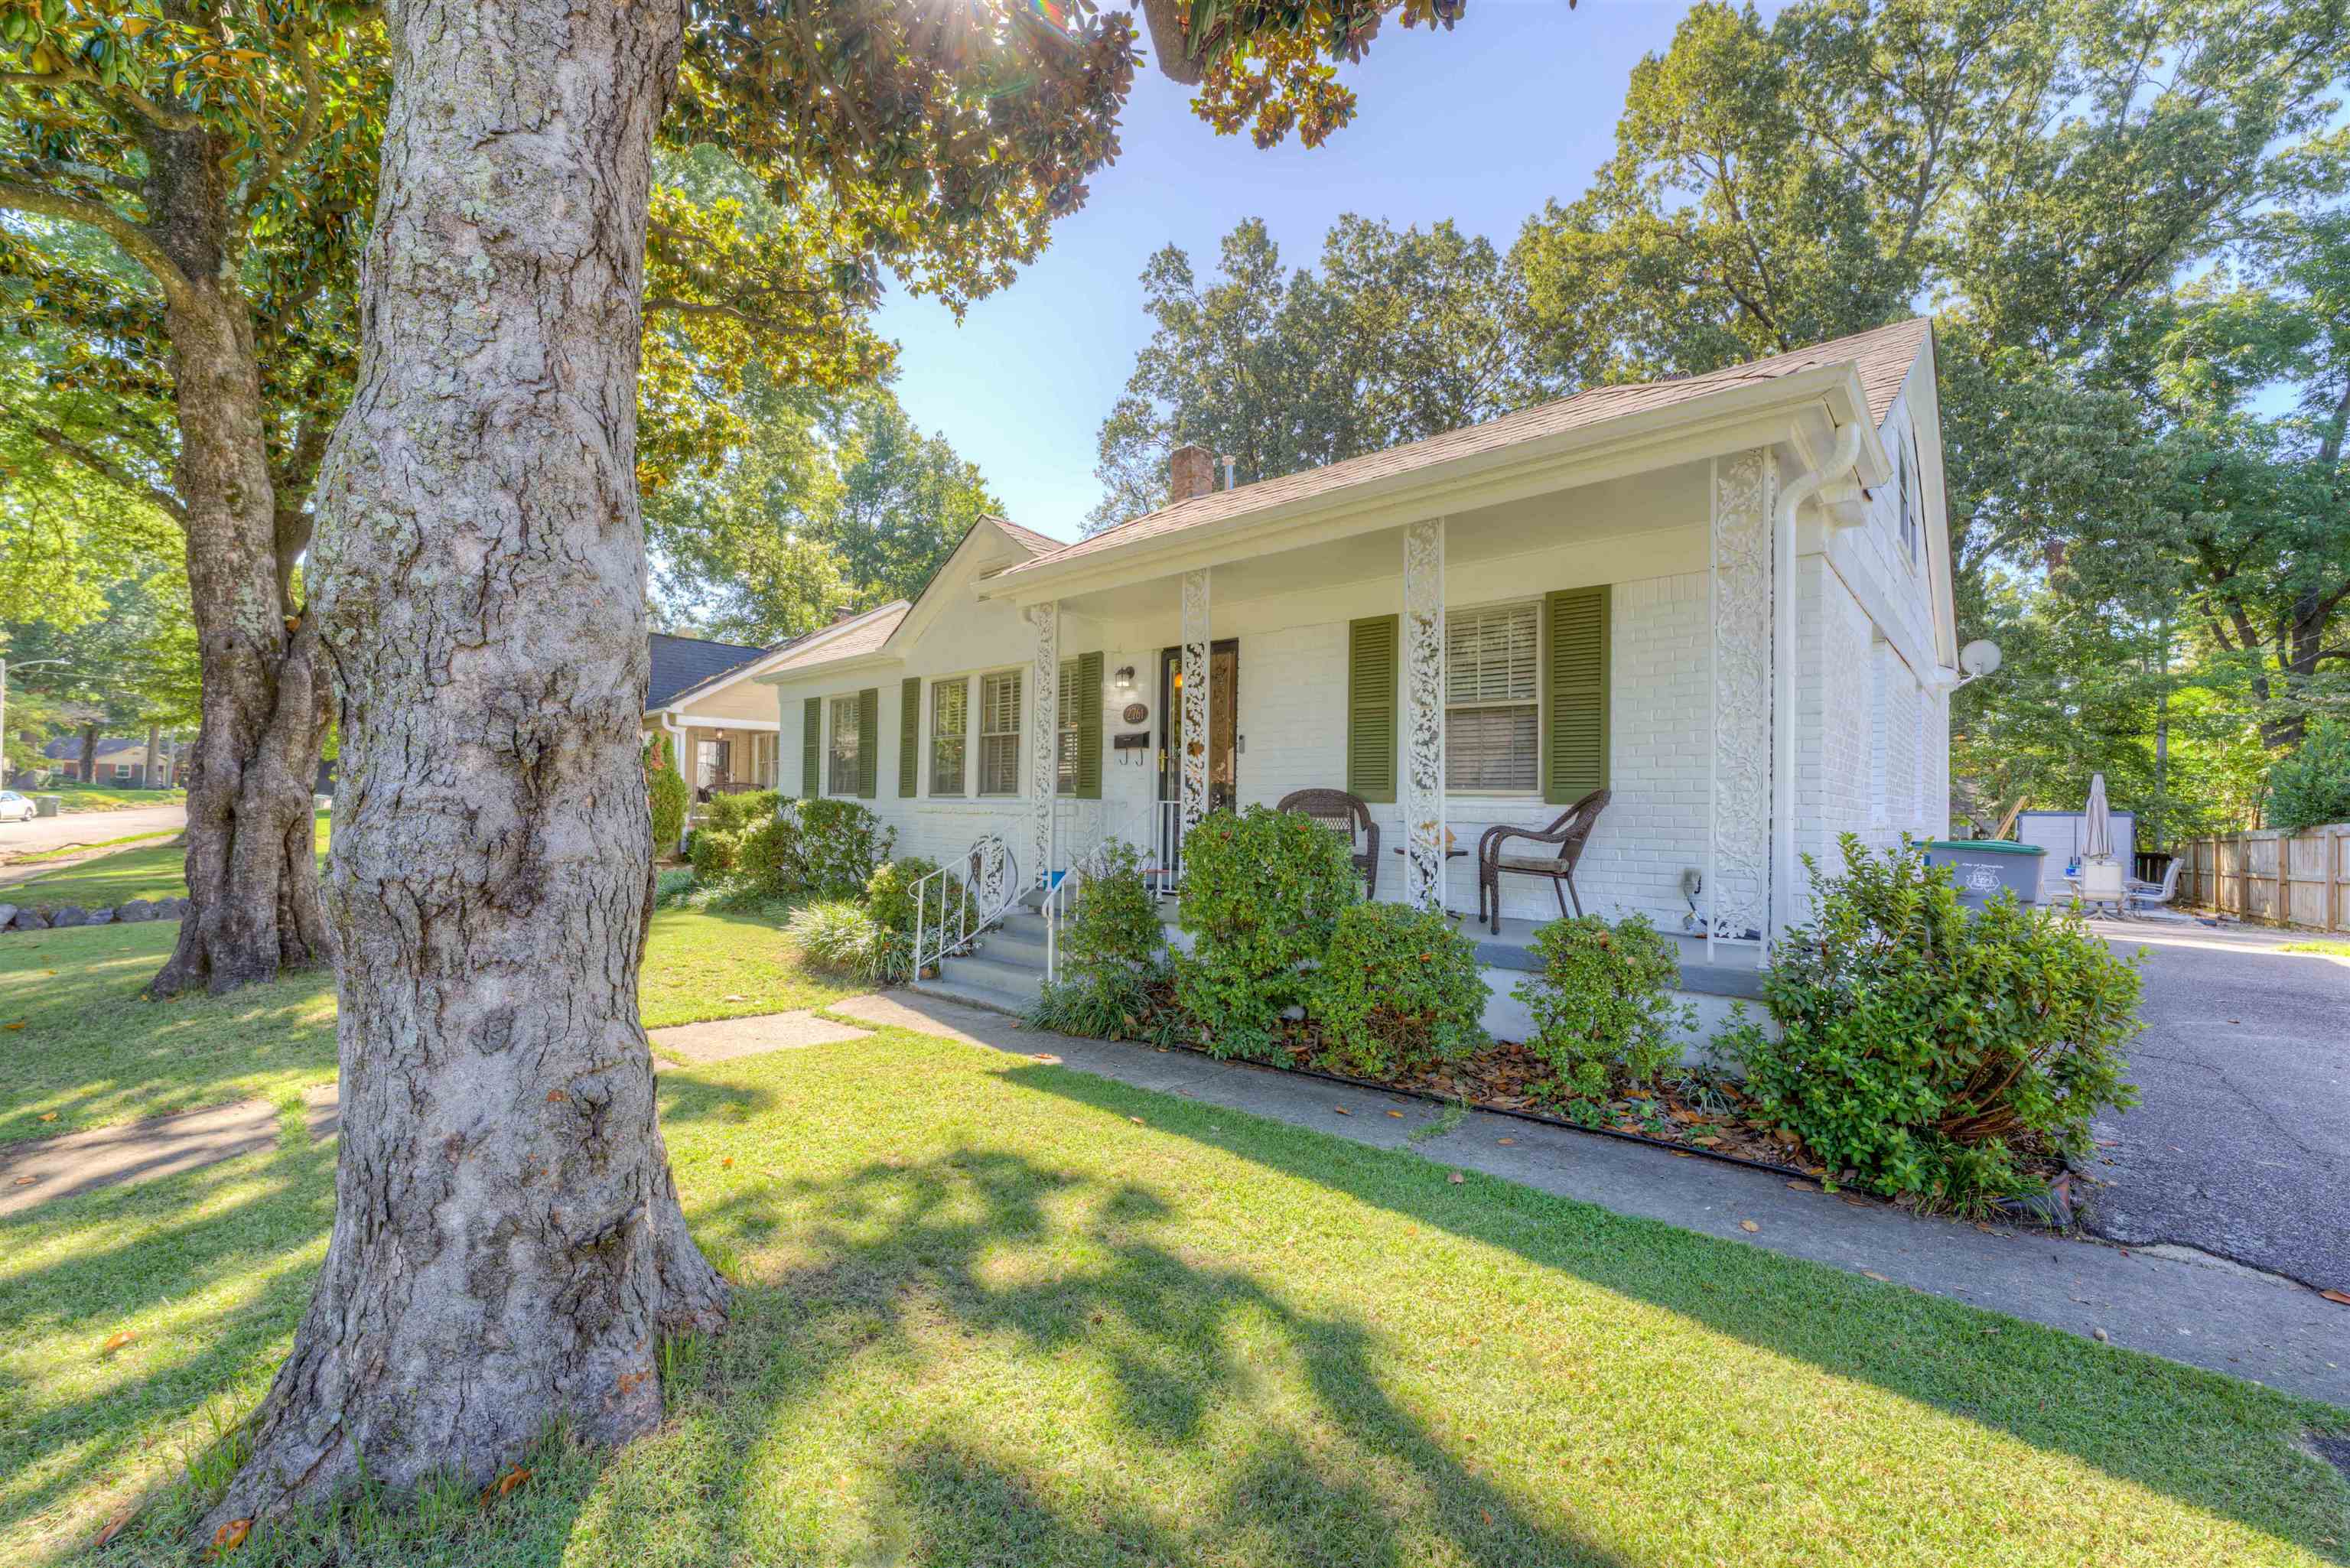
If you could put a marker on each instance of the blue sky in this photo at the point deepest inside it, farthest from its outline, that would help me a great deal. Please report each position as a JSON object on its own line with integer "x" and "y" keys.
{"x": 1480, "y": 125}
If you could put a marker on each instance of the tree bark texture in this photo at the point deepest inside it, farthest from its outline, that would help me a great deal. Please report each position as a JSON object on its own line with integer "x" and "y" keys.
{"x": 508, "y": 1245}
{"x": 252, "y": 868}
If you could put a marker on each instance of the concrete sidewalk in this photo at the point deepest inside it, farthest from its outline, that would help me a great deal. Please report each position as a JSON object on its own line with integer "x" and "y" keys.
{"x": 2204, "y": 1312}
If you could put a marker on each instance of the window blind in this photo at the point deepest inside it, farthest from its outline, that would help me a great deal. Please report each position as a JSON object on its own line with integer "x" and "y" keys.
{"x": 999, "y": 733}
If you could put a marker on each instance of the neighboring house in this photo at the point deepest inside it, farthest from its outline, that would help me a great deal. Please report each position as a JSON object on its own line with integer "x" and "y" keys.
{"x": 121, "y": 761}
{"x": 1476, "y": 628}
{"x": 720, "y": 749}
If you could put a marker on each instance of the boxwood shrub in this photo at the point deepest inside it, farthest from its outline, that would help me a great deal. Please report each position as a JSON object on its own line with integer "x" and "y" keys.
{"x": 827, "y": 848}
{"x": 1604, "y": 1019}
{"x": 1261, "y": 894}
{"x": 1397, "y": 992}
{"x": 1112, "y": 950}
{"x": 1926, "y": 1048}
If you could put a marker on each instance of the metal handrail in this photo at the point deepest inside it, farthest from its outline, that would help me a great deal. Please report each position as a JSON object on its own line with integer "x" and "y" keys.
{"x": 1058, "y": 899}
{"x": 991, "y": 886}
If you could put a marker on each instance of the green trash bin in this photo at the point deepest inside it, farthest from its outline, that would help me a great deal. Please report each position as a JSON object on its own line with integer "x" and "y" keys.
{"x": 1981, "y": 869}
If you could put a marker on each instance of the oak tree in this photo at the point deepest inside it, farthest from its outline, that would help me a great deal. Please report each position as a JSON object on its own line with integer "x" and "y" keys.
{"x": 508, "y": 1243}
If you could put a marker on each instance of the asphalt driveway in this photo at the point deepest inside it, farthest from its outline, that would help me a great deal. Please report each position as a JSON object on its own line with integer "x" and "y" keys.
{"x": 2241, "y": 1145}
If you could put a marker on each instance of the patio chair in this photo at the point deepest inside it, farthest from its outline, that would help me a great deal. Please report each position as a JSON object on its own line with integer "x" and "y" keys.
{"x": 2149, "y": 895}
{"x": 1342, "y": 812}
{"x": 1563, "y": 842}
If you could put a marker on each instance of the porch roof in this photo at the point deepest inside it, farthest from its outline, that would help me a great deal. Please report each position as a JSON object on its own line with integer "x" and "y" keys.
{"x": 1881, "y": 359}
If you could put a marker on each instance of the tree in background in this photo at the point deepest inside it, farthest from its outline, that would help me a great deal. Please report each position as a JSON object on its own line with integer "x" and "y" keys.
{"x": 509, "y": 1246}
{"x": 2310, "y": 788}
{"x": 190, "y": 189}
{"x": 828, "y": 500}
{"x": 1401, "y": 334}
{"x": 2055, "y": 179}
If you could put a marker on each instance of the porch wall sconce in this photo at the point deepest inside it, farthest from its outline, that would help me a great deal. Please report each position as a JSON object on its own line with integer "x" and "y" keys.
{"x": 1125, "y": 677}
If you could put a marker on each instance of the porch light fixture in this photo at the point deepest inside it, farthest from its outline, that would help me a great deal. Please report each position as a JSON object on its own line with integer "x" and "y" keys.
{"x": 1124, "y": 676}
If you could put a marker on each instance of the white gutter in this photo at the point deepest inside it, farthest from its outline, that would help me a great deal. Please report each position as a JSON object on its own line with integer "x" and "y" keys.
{"x": 1783, "y": 674}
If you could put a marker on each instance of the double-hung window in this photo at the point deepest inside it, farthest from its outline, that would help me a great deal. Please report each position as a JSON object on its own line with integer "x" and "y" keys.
{"x": 950, "y": 723}
{"x": 999, "y": 733}
{"x": 1493, "y": 698}
{"x": 841, "y": 776}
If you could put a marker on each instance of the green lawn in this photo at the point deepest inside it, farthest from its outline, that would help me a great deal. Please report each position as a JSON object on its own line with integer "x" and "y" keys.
{"x": 92, "y": 1052}
{"x": 994, "y": 1311}
{"x": 2328, "y": 949}
{"x": 108, "y": 797}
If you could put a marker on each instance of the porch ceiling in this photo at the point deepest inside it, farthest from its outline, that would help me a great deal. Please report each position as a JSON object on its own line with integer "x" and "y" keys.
{"x": 1661, "y": 499}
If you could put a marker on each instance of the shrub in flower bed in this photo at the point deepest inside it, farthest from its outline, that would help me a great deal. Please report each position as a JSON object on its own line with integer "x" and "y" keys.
{"x": 1940, "y": 1054}
{"x": 734, "y": 813}
{"x": 667, "y": 793}
{"x": 840, "y": 936}
{"x": 715, "y": 853}
{"x": 1397, "y": 990}
{"x": 890, "y": 899}
{"x": 1112, "y": 959}
{"x": 1604, "y": 1019}
{"x": 1261, "y": 894}
{"x": 827, "y": 847}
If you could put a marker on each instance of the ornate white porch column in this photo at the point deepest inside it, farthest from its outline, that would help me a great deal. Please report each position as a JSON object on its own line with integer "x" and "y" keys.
{"x": 1738, "y": 815}
{"x": 1196, "y": 638}
{"x": 1043, "y": 735}
{"x": 1423, "y": 713}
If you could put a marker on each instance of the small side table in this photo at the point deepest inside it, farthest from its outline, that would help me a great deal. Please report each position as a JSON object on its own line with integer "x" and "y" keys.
{"x": 1450, "y": 855}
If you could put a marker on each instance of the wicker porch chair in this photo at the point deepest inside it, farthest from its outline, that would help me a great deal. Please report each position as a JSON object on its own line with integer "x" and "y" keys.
{"x": 1564, "y": 838}
{"x": 1342, "y": 812}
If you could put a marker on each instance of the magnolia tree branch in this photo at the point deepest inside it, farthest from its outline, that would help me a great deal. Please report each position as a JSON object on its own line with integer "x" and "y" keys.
{"x": 141, "y": 245}
{"x": 101, "y": 464}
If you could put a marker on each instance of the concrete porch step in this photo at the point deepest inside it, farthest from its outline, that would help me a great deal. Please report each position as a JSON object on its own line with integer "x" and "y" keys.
{"x": 985, "y": 970}
{"x": 950, "y": 990}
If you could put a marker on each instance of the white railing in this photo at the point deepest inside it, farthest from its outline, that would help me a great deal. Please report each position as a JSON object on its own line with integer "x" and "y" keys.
{"x": 1163, "y": 852}
{"x": 987, "y": 890}
{"x": 1060, "y": 898}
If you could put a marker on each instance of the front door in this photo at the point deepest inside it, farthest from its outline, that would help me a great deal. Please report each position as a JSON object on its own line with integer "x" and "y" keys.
{"x": 1223, "y": 734}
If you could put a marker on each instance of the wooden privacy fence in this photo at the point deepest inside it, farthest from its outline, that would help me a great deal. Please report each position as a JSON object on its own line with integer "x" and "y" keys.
{"x": 2285, "y": 879}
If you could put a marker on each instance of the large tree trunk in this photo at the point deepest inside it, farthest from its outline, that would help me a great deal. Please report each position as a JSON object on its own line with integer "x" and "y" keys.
{"x": 253, "y": 873}
{"x": 508, "y": 1245}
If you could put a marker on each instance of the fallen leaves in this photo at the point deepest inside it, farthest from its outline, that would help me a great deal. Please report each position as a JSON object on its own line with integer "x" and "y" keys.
{"x": 1748, "y": 1225}
{"x": 1136, "y": 1120}
{"x": 116, "y": 1340}
{"x": 555, "y": 1097}
{"x": 1873, "y": 1274}
{"x": 514, "y": 1476}
{"x": 2337, "y": 1296}
{"x": 24, "y": 1181}
{"x": 1456, "y": 1179}
{"x": 1342, "y": 1110}
{"x": 1397, "y": 1115}
{"x": 49, "y": 1115}
{"x": 231, "y": 1536}
{"x": 114, "y": 1526}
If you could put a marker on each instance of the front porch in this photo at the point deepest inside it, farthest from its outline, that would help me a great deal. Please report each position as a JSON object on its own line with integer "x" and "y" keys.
{"x": 1485, "y": 666}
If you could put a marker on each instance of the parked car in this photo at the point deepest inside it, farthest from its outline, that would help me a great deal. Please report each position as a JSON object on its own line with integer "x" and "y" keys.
{"x": 15, "y": 807}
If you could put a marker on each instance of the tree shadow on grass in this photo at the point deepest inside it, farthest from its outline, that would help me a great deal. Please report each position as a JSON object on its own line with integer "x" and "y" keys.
{"x": 1052, "y": 1289}
{"x": 2047, "y": 1387}
{"x": 282, "y": 1207}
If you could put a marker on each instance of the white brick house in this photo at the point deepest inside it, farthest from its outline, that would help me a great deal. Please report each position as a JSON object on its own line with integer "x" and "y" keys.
{"x": 1725, "y": 599}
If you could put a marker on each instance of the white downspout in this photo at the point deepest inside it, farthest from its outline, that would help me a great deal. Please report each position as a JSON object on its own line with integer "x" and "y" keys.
{"x": 1783, "y": 676}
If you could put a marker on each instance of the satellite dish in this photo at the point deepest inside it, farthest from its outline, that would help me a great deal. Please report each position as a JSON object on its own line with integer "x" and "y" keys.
{"x": 1979, "y": 658}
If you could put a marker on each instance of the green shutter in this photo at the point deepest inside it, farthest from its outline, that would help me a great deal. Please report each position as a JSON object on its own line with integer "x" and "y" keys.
{"x": 1575, "y": 694}
{"x": 1090, "y": 709}
{"x": 868, "y": 742}
{"x": 910, "y": 732}
{"x": 1371, "y": 664}
{"x": 811, "y": 734}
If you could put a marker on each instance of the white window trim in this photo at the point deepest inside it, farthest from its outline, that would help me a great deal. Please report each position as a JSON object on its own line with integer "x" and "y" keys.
{"x": 975, "y": 755}
{"x": 931, "y": 738}
{"x": 1530, "y": 796}
{"x": 848, "y": 700}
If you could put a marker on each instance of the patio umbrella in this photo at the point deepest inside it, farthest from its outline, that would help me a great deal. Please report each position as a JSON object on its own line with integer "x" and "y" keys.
{"x": 2098, "y": 830}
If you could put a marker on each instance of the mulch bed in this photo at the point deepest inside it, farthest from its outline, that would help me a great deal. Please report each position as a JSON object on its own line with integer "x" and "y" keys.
{"x": 1695, "y": 1112}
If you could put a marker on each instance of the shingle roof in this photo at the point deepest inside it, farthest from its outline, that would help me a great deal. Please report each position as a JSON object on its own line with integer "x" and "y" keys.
{"x": 866, "y": 633}
{"x": 1880, "y": 358}
{"x": 680, "y": 663}
{"x": 67, "y": 748}
{"x": 1036, "y": 544}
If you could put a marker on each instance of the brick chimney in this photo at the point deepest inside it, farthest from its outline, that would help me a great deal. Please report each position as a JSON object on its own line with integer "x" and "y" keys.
{"x": 1191, "y": 471}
